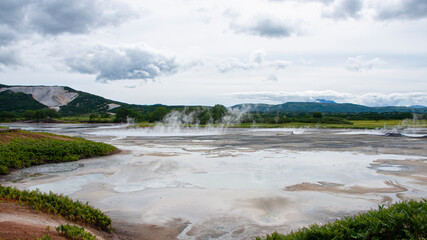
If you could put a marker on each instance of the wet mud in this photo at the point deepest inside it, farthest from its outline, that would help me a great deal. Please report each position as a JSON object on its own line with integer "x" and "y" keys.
{"x": 233, "y": 183}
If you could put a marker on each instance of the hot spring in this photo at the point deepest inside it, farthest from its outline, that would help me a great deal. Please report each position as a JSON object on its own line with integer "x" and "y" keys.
{"x": 223, "y": 183}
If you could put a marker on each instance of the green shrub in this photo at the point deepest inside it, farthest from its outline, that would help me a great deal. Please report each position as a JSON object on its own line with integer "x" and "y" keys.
{"x": 404, "y": 220}
{"x": 23, "y": 152}
{"x": 59, "y": 205}
{"x": 75, "y": 233}
{"x": 45, "y": 237}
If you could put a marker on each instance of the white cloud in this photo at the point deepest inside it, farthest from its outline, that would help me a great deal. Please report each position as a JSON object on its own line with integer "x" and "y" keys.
{"x": 361, "y": 64}
{"x": 267, "y": 26}
{"x": 272, "y": 78}
{"x": 401, "y": 9}
{"x": 321, "y": 1}
{"x": 343, "y": 9}
{"x": 368, "y": 99}
{"x": 119, "y": 63}
{"x": 255, "y": 61}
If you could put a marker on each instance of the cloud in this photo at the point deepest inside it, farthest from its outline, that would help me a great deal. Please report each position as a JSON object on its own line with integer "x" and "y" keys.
{"x": 255, "y": 61}
{"x": 20, "y": 18}
{"x": 8, "y": 57}
{"x": 7, "y": 35}
{"x": 360, "y": 64}
{"x": 321, "y": 1}
{"x": 368, "y": 99}
{"x": 119, "y": 63}
{"x": 266, "y": 27}
{"x": 230, "y": 13}
{"x": 402, "y": 9}
{"x": 12, "y": 12}
{"x": 272, "y": 78}
{"x": 344, "y": 9}
{"x": 78, "y": 16}
{"x": 304, "y": 61}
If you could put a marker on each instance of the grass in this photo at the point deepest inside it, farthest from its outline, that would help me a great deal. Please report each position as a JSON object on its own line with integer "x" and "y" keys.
{"x": 19, "y": 149}
{"x": 404, "y": 220}
{"x": 76, "y": 119}
{"x": 22, "y": 149}
{"x": 359, "y": 124}
{"x": 59, "y": 205}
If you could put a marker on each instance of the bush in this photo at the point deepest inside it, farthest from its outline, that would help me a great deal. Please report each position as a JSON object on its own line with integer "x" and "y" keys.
{"x": 404, "y": 220}
{"x": 59, "y": 205}
{"x": 23, "y": 150}
{"x": 75, "y": 233}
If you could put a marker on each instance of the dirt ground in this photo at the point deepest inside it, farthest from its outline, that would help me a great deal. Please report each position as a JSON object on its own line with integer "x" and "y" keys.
{"x": 21, "y": 222}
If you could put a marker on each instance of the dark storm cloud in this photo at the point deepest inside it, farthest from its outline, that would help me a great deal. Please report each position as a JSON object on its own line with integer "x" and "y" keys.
{"x": 266, "y": 27}
{"x": 140, "y": 62}
{"x": 404, "y": 9}
{"x": 343, "y": 9}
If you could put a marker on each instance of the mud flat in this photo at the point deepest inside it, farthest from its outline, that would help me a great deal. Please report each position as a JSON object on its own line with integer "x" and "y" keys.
{"x": 233, "y": 183}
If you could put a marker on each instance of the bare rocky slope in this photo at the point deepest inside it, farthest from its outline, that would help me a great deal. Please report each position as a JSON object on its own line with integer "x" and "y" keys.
{"x": 52, "y": 97}
{"x": 67, "y": 101}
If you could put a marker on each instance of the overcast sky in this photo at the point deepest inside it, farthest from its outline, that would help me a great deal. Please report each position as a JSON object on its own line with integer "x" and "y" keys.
{"x": 193, "y": 52}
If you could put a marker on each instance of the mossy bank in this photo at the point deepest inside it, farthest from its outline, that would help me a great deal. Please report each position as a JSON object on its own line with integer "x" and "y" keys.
{"x": 20, "y": 149}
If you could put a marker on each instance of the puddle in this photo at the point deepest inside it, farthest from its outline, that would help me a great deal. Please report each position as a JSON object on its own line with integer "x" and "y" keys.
{"x": 128, "y": 188}
{"x": 52, "y": 168}
{"x": 69, "y": 185}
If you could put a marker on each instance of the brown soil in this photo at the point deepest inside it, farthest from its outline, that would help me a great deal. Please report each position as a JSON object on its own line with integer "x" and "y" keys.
{"x": 21, "y": 222}
{"x": 339, "y": 188}
{"x": 18, "y": 222}
{"x": 412, "y": 169}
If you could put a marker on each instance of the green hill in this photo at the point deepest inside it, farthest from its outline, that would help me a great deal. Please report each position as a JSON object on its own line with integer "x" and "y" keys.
{"x": 310, "y": 107}
{"x": 86, "y": 103}
{"x": 18, "y": 102}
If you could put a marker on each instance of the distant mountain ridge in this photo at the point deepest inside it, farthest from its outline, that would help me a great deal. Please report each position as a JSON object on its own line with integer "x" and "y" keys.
{"x": 71, "y": 102}
{"x": 324, "y": 101}
{"x": 324, "y": 108}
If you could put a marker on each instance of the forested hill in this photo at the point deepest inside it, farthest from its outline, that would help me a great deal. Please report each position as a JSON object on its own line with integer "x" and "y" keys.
{"x": 71, "y": 102}
{"x": 309, "y": 107}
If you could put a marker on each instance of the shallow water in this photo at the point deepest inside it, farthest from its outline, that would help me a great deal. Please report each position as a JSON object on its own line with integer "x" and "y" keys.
{"x": 234, "y": 183}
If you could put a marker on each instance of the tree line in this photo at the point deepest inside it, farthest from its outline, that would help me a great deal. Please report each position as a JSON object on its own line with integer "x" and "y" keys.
{"x": 209, "y": 115}
{"x": 36, "y": 115}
